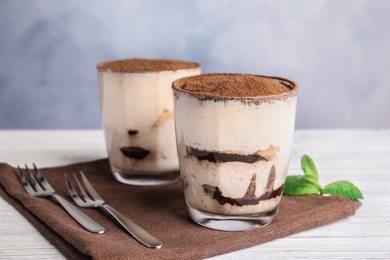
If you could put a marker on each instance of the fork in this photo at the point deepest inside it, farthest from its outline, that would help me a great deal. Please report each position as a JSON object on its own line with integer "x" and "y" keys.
{"x": 40, "y": 187}
{"x": 91, "y": 199}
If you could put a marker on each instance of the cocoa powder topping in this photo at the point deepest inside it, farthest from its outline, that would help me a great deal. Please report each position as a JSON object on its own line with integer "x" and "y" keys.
{"x": 146, "y": 65}
{"x": 234, "y": 85}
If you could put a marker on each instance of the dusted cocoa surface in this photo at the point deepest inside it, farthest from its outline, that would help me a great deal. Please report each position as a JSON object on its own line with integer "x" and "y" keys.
{"x": 234, "y": 85}
{"x": 146, "y": 65}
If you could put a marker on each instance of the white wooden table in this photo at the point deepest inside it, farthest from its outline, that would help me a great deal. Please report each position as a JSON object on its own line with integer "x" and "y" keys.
{"x": 360, "y": 156}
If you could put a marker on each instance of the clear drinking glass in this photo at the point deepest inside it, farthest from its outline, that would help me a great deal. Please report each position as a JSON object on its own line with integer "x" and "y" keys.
{"x": 234, "y": 134}
{"x": 137, "y": 115}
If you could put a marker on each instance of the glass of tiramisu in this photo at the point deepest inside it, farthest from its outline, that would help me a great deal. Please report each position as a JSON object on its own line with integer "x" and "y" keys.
{"x": 137, "y": 116}
{"x": 234, "y": 135}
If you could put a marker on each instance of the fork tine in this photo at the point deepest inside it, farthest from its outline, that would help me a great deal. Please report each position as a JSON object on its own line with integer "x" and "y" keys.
{"x": 42, "y": 180}
{"x": 34, "y": 183}
{"x": 73, "y": 193}
{"x": 83, "y": 194}
{"x": 26, "y": 185}
{"x": 92, "y": 192}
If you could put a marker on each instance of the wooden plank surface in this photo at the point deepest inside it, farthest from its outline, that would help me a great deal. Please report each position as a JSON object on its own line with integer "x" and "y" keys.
{"x": 360, "y": 156}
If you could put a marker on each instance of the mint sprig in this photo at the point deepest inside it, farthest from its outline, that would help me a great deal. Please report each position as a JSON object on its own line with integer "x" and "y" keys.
{"x": 308, "y": 183}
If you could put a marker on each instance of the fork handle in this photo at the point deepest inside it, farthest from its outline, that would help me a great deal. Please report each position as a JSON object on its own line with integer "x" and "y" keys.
{"x": 85, "y": 221}
{"x": 136, "y": 231}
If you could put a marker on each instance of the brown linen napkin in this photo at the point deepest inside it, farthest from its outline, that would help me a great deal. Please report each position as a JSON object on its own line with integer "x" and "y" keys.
{"x": 161, "y": 211}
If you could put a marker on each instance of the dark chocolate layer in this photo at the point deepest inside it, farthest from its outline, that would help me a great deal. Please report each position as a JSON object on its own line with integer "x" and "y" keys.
{"x": 223, "y": 157}
{"x": 132, "y": 132}
{"x": 137, "y": 153}
{"x": 250, "y": 196}
{"x": 216, "y": 194}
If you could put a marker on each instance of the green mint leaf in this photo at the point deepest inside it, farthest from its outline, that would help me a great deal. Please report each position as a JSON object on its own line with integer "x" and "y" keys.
{"x": 291, "y": 183}
{"x": 310, "y": 170}
{"x": 296, "y": 185}
{"x": 343, "y": 188}
{"x": 308, "y": 183}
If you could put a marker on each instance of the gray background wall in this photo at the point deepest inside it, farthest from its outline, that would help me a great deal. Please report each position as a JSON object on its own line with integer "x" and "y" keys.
{"x": 337, "y": 51}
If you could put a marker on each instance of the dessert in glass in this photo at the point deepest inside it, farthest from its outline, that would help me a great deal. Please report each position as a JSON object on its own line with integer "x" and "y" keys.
{"x": 137, "y": 115}
{"x": 234, "y": 134}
